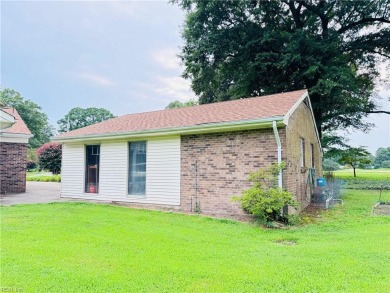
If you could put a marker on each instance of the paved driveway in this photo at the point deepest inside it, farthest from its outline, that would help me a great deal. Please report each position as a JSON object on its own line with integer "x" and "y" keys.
{"x": 36, "y": 192}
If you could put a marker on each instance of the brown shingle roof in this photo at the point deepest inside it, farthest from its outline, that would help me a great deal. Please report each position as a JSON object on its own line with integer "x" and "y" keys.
{"x": 230, "y": 111}
{"x": 19, "y": 127}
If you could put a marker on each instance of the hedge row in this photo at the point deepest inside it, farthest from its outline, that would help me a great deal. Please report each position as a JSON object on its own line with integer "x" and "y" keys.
{"x": 54, "y": 178}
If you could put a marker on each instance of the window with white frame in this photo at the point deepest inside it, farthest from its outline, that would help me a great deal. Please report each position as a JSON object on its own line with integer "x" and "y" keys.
{"x": 312, "y": 155}
{"x": 302, "y": 152}
{"x": 137, "y": 168}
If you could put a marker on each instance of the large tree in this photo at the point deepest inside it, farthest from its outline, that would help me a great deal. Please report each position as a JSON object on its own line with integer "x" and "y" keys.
{"x": 355, "y": 157}
{"x": 381, "y": 155}
{"x": 79, "y": 117}
{"x": 238, "y": 49}
{"x": 177, "y": 104}
{"x": 32, "y": 114}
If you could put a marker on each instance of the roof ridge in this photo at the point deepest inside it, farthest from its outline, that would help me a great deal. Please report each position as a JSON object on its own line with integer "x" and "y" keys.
{"x": 208, "y": 104}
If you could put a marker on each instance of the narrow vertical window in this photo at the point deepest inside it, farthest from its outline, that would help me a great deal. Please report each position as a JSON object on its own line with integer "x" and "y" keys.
{"x": 312, "y": 155}
{"x": 137, "y": 168}
{"x": 92, "y": 158}
{"x": 302, "y": 152}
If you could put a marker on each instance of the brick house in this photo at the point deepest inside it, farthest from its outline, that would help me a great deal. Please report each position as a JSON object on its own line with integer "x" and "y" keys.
{"x": 193, "y": 157}
{"x": 14, "y": 136}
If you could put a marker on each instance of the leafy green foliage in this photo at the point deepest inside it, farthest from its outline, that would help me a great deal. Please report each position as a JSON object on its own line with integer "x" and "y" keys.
{"x": 239, "y": 49}
{"x": 365, "y": 184}
{"x": 381, "y": 155}
{"x": 354, "y": 157}
{"x": 32, "y": 114}
{"x": 385, "y": 164}
{"x": 264, "y": 199}
{"x": 177, "y": 104}
{"x": 330, "y": 165}
{"x": 79, "y": 117}
{"x": 32, "y": 159}
{"x": 49, "y": 156}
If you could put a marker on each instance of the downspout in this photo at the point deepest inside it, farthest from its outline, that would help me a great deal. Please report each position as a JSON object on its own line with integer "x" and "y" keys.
{"x": 277, "y": 138}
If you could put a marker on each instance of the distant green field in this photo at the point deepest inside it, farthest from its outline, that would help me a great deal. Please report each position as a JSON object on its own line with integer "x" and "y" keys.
{"x": 373, "y": 174}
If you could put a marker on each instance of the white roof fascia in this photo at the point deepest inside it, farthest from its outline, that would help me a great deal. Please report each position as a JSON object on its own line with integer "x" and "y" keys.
{"x": 197, "y": 129}
{"x": 4, "y": 116}
{"x": 16, "y": 135}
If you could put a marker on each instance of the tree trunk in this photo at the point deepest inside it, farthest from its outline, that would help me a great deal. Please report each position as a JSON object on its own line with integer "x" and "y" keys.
{"x": 354, "y": 171}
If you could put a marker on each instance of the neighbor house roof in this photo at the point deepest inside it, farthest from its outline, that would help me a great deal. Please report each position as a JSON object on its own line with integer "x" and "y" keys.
{"x": 248, "y": 109}
{"x": 18, "y": 127}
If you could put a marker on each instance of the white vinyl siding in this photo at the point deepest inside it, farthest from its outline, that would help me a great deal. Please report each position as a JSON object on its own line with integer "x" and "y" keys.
{"x": 162, "y": 172}
{"x": 113, "y": 169}
{"x": 72, "y": 170}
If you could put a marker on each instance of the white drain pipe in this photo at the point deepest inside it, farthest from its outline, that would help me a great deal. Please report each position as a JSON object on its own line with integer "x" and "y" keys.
{"x": 277, "y": 138}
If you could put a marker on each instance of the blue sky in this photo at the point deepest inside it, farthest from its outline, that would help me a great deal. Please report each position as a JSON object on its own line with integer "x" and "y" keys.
{"x": 117, "y": 55}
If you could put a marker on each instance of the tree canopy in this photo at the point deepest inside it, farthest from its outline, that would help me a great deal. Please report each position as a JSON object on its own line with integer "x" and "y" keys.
{"x": 381, "y": 155}
{"x": 79, "y": 117}
{"x": 32, "y": 114}
{"x": 238, "y": 49}
{"x": 355, "y": 157}
{"x": 177, "y": 104}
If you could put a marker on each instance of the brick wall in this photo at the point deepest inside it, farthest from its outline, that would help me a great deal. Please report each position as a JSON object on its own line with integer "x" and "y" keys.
{"x": 224, "y": 161}
{"x": 300, "y": 125}
{"x": 13, "y": 160}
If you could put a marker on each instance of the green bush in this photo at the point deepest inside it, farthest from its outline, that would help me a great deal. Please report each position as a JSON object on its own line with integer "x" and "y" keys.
{"x": 54, "y": 178}
{"x": 330, "y": 165}
{"x": 49, "y": 156}
{"x": 264, "y": 199}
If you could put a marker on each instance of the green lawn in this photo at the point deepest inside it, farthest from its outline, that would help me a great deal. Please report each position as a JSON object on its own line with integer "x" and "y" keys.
{"x": 80, "y": 247}
{"x": 373, "y": 174}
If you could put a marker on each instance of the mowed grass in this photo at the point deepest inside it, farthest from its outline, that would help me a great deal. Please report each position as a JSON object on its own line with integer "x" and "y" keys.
{"x": 372, "y": 174}
{"x": 81, "y": 247}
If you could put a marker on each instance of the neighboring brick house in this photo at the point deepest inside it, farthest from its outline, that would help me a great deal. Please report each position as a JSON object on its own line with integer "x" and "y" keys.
{"x": 195, "y": 157}
{"x": 14, "y": 136}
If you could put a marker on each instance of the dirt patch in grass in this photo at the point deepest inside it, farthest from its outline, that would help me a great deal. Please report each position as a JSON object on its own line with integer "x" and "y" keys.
{"x": 286, "y": 241}
{"x": 382, "y": 209}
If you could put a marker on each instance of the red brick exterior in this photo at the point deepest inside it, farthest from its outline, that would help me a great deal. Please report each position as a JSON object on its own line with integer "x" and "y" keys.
{"x": 300, "y": 125}
{"x": 13, "y": 160}
{"x": 224, "y": 161}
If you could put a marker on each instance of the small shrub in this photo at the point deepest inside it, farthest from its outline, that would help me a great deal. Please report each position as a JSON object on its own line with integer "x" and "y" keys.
{"x": 264, "y": 199}
{"x": 49, "y": 156}
{"x": 31, "y": 165}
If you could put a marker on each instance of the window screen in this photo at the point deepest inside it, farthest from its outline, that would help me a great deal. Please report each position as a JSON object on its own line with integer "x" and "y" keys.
{"x": 137, "y": 168}
{"x": 92, "y": 159}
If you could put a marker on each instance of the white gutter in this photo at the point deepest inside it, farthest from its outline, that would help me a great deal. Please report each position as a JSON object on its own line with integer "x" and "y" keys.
{"x": 14, "y": 135}
{"x": 185, "y": 130}
{"x": 277, "y": 138}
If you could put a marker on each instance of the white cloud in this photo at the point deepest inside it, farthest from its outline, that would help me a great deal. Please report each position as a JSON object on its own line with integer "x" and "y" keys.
{"x": 174, "y": 88}
{"x": 167, "y": 58}
{"x": 95, "y": 79}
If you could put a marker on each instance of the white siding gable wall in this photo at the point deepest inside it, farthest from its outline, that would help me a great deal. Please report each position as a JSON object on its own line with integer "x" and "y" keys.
{"x": 72, "y": 170}
{"x": 162, "y": 172}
